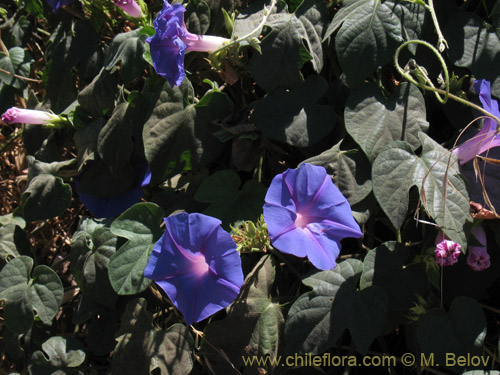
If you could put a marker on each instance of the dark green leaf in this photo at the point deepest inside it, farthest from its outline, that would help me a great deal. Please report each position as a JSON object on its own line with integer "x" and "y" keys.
{"x": 63, "y": 354}
{"x": 16, "y": 63}
{"x": 318, "y": 318}
{"x": 460, "y": 331}
{"x": 13, "y": 242}
{"x": 397, "y": 169}
{"x": 374, "y": 121}
{"x": 140, "y": 223}
{"x": 293, "y": 116}
{"x": 128, "y": 49}
{"x": 98, "y": 97}
{"x": 370, "y": 31}
{"x": 141, "y": 349}
{"x": 197, "y": 17}
{"x": 350, "y": 171}
{"x": 283, "y": 49}
{"x": 227, "y": 202}
{"x": 45, "y": 293}
{"x": 45, "y": 197}
{"x": 473, "y": 46}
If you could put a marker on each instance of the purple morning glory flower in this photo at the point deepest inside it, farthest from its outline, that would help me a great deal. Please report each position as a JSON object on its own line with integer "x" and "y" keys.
{"x": 56, "y": 4}
{"x": 172, "y": 40}
{"x": 307, "y": 215}
{"x": 130, "y": 7}
{"x": 447, "y": 251}
{"x": 196, "y": 263}
{"x": 102, "y": 207}
{"x": 487, "y": 137}
{"x": 27, "y": 116}
{"x": 478, "y": 258}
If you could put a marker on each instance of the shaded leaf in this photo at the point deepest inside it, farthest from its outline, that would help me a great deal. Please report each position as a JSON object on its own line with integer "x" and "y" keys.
{"x": 16, "y": 63}
{"x": 319, "y": 317}
{"x": 197, "y": 17}
{"x": 98, "y": 97}
{"x": 141, "y": 223}
{"x": 64, "y": 354}
{"x": 293, "y": 116}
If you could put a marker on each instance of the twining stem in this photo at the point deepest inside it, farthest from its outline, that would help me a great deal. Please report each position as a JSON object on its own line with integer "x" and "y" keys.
{"x": 252, "y": 34}
{"x": 442, "y": 43}
{"x": 437, "y": 91}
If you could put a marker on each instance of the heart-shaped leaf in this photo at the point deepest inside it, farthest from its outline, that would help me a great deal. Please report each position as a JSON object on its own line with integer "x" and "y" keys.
{"x": 443, "y": 193}
{"x": 370, "y": 31}
{"x": 141, "y": 222}
{"x": 197, "y": 17}
{"x": 374, "y": 121}
{"x": 16, "y": 63}
{"x": 64, "y": 354}
{"x": 319, "y": 317}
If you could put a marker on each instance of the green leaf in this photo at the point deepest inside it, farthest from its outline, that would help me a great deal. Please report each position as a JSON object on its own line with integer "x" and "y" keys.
{"x": 37, "y": 167}
{"x": 140, "y": 223}
{"x": 227, "y": 202}
{"x": 178, "y": 137}
{"x": 18, "y": 62}
{"x": 98, "y": 97}
{"x": 128, "y": 49}
{"x": 126, "y": 268}
{"x": 13, "y": 242}
{"x": 86, "y": 141}
{"x": 141, "y": 349}
{"x": 374, "y": 121}
{"x": 91, "y": 248}
{"x": 43, "y": 292}
{"x": 283, "y": 49}
{"x": 293, "y": 116}
{"x": 350, "y": 171}
{"x": 197, "y": 17}
{"x": 319, "y": 317}
{"x": 114, "y": 143}
{"x": 385, "y": 266}
{"x": 370, "y": 31}
{"x": 444, "y": 194}
{"x": 460, "y": 331}
{"x": 64, "y": 354}
{"x": 473, "y": 46}
{"x": 45, "y": 197}
{"x": 254, "y": 325}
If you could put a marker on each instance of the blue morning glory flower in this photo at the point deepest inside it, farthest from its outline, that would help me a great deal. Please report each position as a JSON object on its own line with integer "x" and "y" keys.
{"x": 56, "y": 4}
{"x": 172, "y": 41}
{"x": 102, "y": 207}
{"x": 487, "y": 137}
{"x": 196, "y": 263}
{"x": 307, "y": 215}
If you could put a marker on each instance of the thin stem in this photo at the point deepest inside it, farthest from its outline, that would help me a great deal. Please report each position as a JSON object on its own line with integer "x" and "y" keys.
{"x": 442, "y": 43}
{"x": 252, "y": 34}
{"x": 434, "y": 89}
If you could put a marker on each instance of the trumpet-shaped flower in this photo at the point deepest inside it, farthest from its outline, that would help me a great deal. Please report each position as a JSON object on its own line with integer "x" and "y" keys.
{"x": 27, "y": 116}
{"x": 447, "y": 251}
{"x": 307, "y": 215}
{"x": 196, "y": 263}
{"x": 487, "y": 137}
{"x": 478, "y": 258}
{"x": 103, "y": 207}
{"x": 172, "y": 40}
{"x": 130, "y": 7}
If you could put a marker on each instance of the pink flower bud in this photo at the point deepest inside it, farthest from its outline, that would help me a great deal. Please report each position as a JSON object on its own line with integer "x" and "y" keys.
{"x": 447, "y": 251}
{"x": 27, "y": 116}
{"x": 130, "y": 7}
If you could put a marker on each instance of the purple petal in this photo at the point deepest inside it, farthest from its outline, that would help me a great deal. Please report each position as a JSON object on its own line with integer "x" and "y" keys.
{"x": 482, "y": 87}
{"x": 196, "y": 263}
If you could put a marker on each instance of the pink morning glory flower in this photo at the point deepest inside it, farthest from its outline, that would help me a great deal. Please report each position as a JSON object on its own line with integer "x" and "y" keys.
{"x": 27, "y": 116}
{"x": 487, "y": 137}
{"x": 130, "y": 7}
{"x": 172, "y": 40}
{"x": 478, "y": 258}
{"x": 196, "y": 263}
{"x": 447, "y": 251}
{"x": 307, "y": 215}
